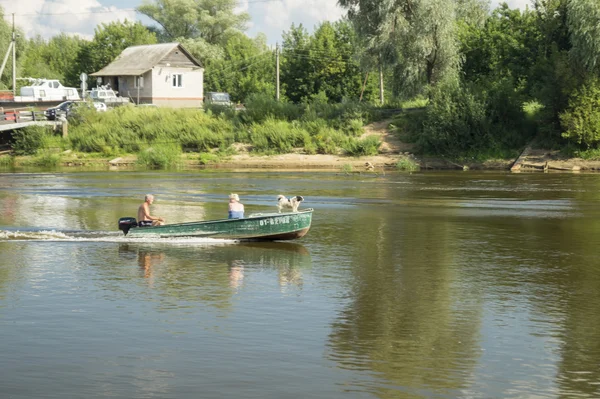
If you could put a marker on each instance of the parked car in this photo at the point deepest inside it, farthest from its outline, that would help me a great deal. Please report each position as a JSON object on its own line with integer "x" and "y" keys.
{"x": 107, "y": 96}
{"x": 53, "y": 113}
{"x": 100, "y": 107}
{"x": 69, "y": 107}
{"x": 218, "y": 98}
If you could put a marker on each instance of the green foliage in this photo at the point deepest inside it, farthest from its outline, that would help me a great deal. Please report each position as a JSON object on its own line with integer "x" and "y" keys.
{"x": 53, "y": 59}
{"x": 275, "y": 135}
{"x": 246, "y": 67}
{"x": 132, "y": 129}
{"x": 581, "y": 121}
{"x": 6, "y": 161}
{"x": 415, "y": 38}
{"x": 260, "y": 107}
{"x": 347, "y": 168}
{"x": 160, "y": 156}
{"x": 321, "y": 64}
{"x": 584, "y": 28}
{"x": 29, "y": 140}
{"x": 5, "y": 39}
{"x": 209, "y": 21}
{"x": 359, "y": 147}
{"x": 206, "y": 158}
{"x": 408, "y": 165}
{"x": 110, "y": 39}
{"x": 45, "y": 159}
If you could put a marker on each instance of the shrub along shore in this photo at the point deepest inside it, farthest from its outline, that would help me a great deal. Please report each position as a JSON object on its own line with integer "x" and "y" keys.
{"x": 279, "y": 134}
{"x": 165, "y": 137}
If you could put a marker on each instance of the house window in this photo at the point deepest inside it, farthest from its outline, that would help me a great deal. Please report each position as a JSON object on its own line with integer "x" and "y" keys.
{"x": 177, "y": 80}
{"x": 138, "y": 81}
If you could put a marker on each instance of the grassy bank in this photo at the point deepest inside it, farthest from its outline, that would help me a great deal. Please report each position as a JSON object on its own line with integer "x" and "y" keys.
{"x": 159, "y": 137}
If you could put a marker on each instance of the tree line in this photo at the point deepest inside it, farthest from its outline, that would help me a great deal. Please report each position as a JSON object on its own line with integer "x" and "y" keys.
{"x": 493, "y": 80}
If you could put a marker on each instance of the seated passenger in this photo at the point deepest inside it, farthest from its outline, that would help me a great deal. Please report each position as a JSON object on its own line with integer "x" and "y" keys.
{"x": 236, "y": 208}
{"x": 144, "y": 218}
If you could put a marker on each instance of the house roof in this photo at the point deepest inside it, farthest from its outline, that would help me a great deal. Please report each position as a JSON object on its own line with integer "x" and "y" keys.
{"x": 136, "y": 60}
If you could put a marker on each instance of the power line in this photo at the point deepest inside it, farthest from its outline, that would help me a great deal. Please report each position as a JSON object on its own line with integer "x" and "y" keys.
{"x": 245, "y": 60}
{"x": 104, "y": 11}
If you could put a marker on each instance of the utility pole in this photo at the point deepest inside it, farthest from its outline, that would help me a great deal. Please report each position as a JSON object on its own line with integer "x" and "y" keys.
{"x": 380, "y": 82}
{"x": 277, "y": 69}
{"x": 14, "y": 60}
{"x": 363, "y": 87}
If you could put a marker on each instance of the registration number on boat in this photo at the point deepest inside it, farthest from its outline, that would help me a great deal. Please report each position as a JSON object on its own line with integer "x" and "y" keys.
{"x": 281, "y": 220}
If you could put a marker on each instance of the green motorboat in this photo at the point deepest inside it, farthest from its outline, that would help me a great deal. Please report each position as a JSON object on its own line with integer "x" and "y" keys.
{"x": 258, "y": 226}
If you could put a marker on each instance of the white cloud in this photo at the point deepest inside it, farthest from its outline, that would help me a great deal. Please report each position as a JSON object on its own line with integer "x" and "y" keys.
{"x": 76, "y": 17}
{"x": 79, "y": 17}
{"x": 512, "y": 3}
{"x": 272, "y": 18}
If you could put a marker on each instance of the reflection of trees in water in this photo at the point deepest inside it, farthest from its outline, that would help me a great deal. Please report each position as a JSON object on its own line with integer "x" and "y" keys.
{"x": 548, "y": 267}
{"x": 406, "y": 322}
{"x": 567, "y": 281}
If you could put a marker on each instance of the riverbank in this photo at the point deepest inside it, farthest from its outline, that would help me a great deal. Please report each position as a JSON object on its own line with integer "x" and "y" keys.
{"x": 393, "y": 154}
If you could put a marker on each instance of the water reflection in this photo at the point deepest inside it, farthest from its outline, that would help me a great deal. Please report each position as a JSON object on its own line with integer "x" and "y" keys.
{"x": 217, "y": 266}
{"x": 406, "y": 321}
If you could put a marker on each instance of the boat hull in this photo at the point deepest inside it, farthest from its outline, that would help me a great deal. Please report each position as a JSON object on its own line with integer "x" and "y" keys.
{"x": 257, "y": 227}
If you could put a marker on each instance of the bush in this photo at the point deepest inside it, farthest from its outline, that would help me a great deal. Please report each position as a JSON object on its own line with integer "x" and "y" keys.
{"x": 407, "y": 164}
{"x": 160, "y": 156}
{"x": 29, "y": 140}
{"x": 581, "y": 120}
{"x": 367, "y": 146}
{"x": 276, "y": 136}
{"x": 260, "y": 107}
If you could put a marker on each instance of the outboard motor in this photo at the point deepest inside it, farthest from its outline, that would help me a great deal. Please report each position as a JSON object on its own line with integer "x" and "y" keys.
{"x": 127, "y": 223}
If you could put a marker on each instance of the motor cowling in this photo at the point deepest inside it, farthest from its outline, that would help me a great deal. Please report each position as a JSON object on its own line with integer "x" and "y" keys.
{"x": 127, "y": 223}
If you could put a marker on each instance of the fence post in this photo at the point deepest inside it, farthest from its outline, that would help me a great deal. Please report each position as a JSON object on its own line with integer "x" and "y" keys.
{"x": 65, "y": 129}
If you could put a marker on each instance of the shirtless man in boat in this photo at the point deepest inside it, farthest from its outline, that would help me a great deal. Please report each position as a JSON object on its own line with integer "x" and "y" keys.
{"x": 144, "y": 218}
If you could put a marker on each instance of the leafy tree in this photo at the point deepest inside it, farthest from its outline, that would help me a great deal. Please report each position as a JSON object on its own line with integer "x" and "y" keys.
{"x": 325, "y": 62}
{"x": 581, "y": 121}
{"x": 246, "y": 67}
{"x": 53, "y": 59}
{"x": 416, "y": 38}
{"x": 109, "y": 41}
{"x": 5, "y": 39}
{"x": 208, "y": 20}
{"x": 584, "y": 27}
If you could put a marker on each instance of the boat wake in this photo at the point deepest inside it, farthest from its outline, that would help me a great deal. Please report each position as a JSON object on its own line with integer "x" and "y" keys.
{"x": 99, "y": 236}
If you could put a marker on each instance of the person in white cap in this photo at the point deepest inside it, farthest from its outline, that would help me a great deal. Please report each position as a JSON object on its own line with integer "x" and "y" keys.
{"x": 236, "y": 208}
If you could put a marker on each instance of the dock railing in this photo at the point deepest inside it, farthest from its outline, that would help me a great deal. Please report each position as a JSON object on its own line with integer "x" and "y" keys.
{"x": 18, "y": 115}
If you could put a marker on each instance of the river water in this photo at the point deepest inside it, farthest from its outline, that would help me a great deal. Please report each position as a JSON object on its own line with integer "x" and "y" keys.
{"x": 423, "y": 285}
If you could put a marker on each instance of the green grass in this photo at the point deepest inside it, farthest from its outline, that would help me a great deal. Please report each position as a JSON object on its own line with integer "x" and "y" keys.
{"x": 7, "y": 160}
{"x": 347, "y": 168}
{"x": 407, "y": 164}
{"x": 160, "y": 156}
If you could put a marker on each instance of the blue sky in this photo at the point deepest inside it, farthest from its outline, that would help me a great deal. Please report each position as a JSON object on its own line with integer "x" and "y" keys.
{"x": 50, "y": 17}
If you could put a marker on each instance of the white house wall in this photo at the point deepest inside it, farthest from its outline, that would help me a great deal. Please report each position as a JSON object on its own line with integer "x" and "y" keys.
{"x": 191, "y": 94}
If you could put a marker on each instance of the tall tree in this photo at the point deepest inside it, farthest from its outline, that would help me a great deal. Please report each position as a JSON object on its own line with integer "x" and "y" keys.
{"x": 209, "y": 20}
{"x": 246, "y": 67}
{"x": 414, "y": 37}
{"x": 5, "y": 39}
{"x": 584, "y": 28}
{"x": 109, "y": 41}
{"x": 55, "y": 58}
{"x": 325, "y": 62}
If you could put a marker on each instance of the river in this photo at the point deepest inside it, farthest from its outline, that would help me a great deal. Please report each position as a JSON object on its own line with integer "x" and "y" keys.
{"x": 422, "y": 285}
